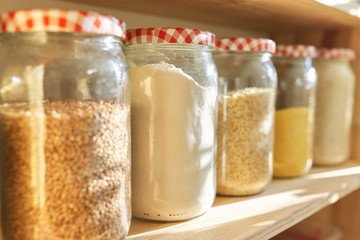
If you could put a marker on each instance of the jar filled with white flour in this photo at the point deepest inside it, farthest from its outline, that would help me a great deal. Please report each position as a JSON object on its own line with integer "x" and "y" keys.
{"x": 247, "y": 82}
{"x": 334, "y": 100}
{"x": 173, "y": 117}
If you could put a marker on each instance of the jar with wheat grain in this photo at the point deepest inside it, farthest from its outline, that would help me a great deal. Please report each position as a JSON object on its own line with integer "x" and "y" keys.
{"x": 247, "y": 85}
{"x": 64, "y": 126}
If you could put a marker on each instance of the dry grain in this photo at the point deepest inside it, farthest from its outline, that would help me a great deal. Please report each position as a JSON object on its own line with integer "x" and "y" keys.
{"x": 334, "y": 110}
{"x": 245, "y": 136}
{"x": 86, "y": 191}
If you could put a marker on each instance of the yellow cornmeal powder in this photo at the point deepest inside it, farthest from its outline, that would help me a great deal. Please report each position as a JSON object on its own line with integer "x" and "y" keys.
{"x": 293, "y": 141}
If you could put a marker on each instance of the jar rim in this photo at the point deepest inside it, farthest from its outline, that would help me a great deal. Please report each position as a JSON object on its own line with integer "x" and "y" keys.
{"x": 170, "y": 46}
{"x": 43, "y": 38}
{"x": 241, "y": 53}
{"x": 60, "y": 34}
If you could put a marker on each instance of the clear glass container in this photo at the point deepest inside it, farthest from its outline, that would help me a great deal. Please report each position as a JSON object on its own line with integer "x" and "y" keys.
{"x": 294, "y": 118}
{"x": 335, "y": 99}
{"x": 247, "y": 85}
{"x": 64, "y": 132}
{"x": 173, "y": 117}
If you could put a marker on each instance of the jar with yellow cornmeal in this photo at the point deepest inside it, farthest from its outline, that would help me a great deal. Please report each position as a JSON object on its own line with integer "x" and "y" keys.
{"x": 294, "y": 117}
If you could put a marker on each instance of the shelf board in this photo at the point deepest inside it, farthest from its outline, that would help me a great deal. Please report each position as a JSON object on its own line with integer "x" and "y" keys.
{"x": 254, "y": 14}
{"x": 284, "y": 203}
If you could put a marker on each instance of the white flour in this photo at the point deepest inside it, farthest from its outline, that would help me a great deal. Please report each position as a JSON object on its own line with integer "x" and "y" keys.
{"x": 173, "y": 143}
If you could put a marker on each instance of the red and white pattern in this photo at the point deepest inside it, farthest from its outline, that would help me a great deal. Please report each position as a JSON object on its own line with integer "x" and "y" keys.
{"x": 169, "y": 35}
{"x": 336, "y": 53}
{"x": 295, "y": 50}
{"x": 246, "y": 44}
{"x": 59, "y": 20}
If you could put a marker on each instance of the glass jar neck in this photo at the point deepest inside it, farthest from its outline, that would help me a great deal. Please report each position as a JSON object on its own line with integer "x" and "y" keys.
{"x": 295, "y": 61}
{"x": 42, "y": 38}
{"x": 338, "y": 61}
{"x": 258, "y": 56}
{"x": 169, "y": 46}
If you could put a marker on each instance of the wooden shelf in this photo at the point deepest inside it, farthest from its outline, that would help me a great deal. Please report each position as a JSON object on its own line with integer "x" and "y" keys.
{"x": 254, "y": 14}
{"x": 288, "y": 201}
{"x": 285, "y": 203}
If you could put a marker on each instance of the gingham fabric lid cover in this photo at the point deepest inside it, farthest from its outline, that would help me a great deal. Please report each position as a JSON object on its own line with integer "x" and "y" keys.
{"x": 336, "y": 53}
{"x": 60, "y": 20}
{"x": 169, "y": 35}
{"x": 295, "y": 50}
{"x": 245, "y": 44}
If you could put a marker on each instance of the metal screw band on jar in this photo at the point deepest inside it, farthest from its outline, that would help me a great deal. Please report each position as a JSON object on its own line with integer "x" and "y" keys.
{"x": 295, "y": 50}
{"x": 335, "y": 53}
{"x": 169, "y": 35}
{"x": 246, "y": 44}
{"x": 60, "y": 20}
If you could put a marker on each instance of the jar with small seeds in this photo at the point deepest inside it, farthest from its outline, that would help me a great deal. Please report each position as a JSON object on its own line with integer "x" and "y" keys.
{"x": 247, "y": 86}
{"x": 173, "y": 116}
{"x": 294, "y": 117}
{"x": 64, "y": 126}
{"x": 335, "y": 101}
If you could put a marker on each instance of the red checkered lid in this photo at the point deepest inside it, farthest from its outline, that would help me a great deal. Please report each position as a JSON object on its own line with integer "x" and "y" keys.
{"x": 246, "y": 44}
{"x": 336, "y": 53}
{"x": 295, "y": 50}
{"x": 169, "y": 35}
{"x": 60, "y": 20}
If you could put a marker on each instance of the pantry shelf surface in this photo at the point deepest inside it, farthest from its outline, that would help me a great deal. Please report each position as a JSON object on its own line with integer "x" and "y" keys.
{"x": 254, "y": 14}
{"x": 285, "y": 203}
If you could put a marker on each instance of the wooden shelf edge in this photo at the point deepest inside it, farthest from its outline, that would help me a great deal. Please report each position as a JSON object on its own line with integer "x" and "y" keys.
{"x": 285, "y": 203}
{"x": 277, "y": 15}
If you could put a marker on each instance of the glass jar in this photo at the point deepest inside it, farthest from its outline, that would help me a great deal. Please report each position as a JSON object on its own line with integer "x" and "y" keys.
{"x": 247, "y": 85}
{"x": 294, "y": 117}
{"x": 64, "y": 126}
{"x": 335, "y": 97}
{"x": 173, "y": 116}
